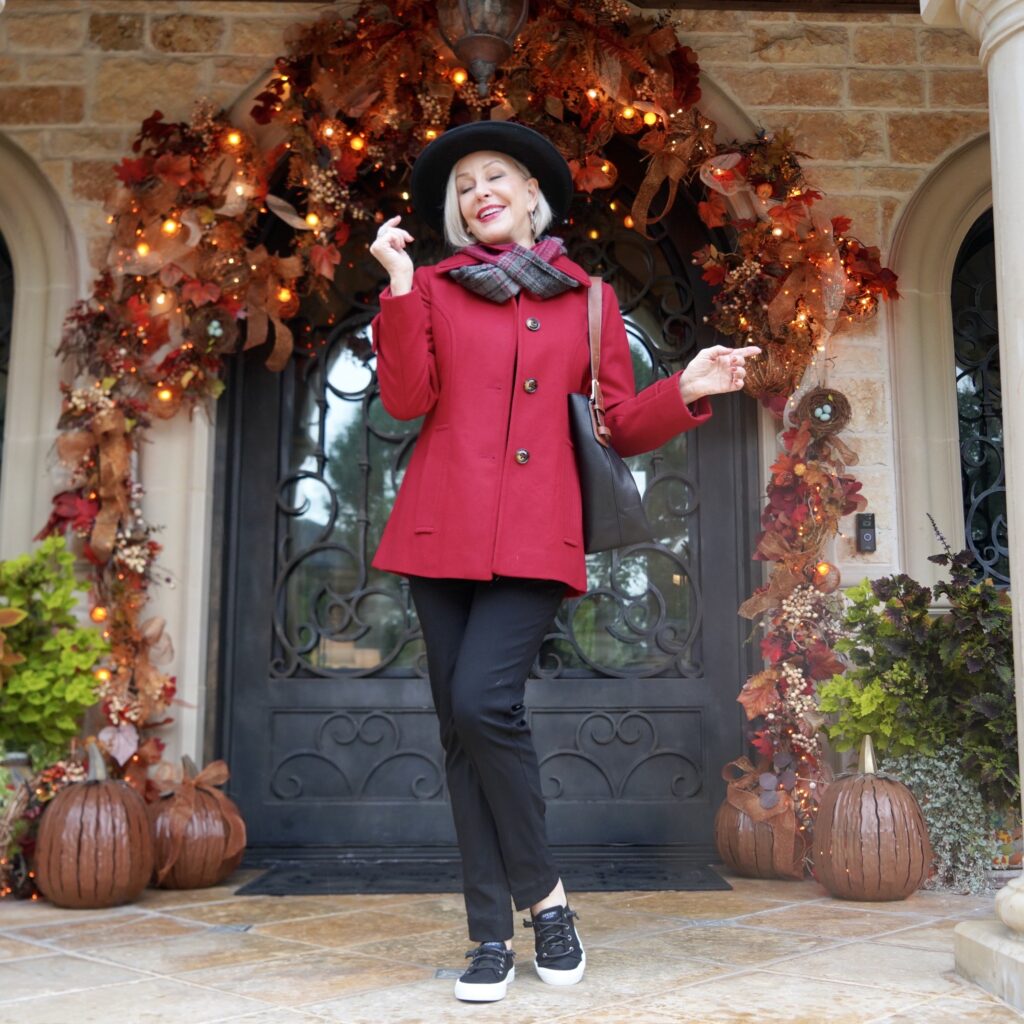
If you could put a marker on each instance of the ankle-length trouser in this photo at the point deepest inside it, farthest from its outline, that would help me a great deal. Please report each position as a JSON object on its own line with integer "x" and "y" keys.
{"x": 481, "y": 639}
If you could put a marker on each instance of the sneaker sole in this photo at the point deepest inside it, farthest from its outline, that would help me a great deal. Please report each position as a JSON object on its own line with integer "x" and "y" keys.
{"x": 470, "y": 992}
{"x": 554, "y": 977}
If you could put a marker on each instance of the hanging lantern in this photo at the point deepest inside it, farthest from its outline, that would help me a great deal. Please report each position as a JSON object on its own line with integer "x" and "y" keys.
{"x": 482, "y": 33}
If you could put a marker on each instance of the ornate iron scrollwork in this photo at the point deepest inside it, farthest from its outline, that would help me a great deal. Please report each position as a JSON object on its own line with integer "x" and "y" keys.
{"x": 6, "y": 318}
{"x": 980, "y": 402}
{"x": 620, "y": 755}
{"x": 358, "y": 756}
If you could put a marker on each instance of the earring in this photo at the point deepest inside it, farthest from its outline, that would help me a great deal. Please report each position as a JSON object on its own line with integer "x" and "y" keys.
{"x": 533, "y": 221}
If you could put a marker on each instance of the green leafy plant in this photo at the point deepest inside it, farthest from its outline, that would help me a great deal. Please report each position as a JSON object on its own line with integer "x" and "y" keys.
{"x": 52, "y": 683}
{"x": 976, "y": 654}
{"x": 888, "y": 691}
{"x": 919, "y": 678}
{"x": 954, "y": 812}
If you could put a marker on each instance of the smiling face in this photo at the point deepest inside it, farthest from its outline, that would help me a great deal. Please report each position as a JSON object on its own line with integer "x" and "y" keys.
{"x": 495, "y": 198}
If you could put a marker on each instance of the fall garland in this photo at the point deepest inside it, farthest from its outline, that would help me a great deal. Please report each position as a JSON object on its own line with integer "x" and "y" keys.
{"x": 185, "y": 286}
{"x": 793, "y": 280}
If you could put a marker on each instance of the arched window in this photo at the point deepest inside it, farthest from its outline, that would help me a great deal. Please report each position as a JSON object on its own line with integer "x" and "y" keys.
{"x": 6, "y": 313}
{"x": 979, "y": 401}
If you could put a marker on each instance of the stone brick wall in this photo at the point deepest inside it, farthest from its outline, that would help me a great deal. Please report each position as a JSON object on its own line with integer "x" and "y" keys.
{"x": 876, "y": 101}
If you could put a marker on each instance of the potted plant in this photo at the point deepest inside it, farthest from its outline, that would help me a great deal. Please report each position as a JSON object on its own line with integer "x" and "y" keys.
{"x": 930, "y": 677}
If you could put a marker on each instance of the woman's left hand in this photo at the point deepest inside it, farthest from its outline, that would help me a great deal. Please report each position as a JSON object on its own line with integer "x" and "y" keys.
{"x": 715, "y": 371}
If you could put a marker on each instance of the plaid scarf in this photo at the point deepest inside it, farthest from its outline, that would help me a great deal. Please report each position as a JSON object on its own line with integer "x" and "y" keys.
{"x": 504, "y": 270}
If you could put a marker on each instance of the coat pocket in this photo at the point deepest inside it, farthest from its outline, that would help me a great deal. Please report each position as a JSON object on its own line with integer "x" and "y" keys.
{"x": 433, "y": 476}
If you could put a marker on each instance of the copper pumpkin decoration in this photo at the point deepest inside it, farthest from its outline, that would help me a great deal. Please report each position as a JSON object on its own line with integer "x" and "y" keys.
{"x": 198, "y": 832}
{"x": 94, "y": 848}
{"x": 752, "y": 840}
{"x": 870, "y": 838}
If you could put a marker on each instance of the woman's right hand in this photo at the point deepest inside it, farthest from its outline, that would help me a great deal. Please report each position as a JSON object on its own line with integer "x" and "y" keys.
{"x": 388, "y": 249}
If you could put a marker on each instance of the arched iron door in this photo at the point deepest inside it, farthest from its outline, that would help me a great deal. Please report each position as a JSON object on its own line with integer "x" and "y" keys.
{"x": 326, "y": 715}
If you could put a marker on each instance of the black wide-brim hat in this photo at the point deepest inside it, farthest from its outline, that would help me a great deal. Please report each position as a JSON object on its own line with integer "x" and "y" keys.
{"x": 434, "y": 165}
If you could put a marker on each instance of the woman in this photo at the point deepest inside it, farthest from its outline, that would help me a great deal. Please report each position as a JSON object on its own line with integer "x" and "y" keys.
{"x": 487, "y": 345}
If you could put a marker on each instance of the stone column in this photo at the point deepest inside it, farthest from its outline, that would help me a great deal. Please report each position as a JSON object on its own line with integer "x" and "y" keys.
{"x": 991, "y": 953}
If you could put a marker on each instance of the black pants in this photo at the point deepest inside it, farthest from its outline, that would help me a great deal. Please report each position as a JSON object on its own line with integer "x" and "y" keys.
{"x": 481, "y": 639}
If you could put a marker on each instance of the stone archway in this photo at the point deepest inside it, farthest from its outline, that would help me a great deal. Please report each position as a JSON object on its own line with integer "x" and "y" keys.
{"x": 925, "y": 246}
{"x": 48, "y": 277}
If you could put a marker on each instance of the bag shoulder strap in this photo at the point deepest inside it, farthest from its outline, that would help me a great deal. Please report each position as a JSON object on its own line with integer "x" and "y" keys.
{"x": 594, "y": 319}
{"x": 595, "y": 298}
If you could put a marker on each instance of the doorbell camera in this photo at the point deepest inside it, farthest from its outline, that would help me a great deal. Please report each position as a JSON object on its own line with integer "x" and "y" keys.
{"x": 866, "y": 536}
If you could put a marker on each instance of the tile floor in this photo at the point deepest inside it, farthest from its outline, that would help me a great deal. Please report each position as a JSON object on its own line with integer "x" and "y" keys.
{"x": 767, "y": 952}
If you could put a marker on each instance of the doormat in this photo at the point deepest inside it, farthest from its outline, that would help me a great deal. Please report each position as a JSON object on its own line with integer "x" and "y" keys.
{"x": 337, "y": 876}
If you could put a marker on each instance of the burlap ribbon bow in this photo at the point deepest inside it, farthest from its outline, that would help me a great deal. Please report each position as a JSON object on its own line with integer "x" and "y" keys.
{"x": 108, "y": 436}
{"x": 183, "y": 804}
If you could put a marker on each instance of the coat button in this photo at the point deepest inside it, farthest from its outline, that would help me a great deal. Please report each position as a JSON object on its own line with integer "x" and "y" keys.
{"x": 522, "y": 456}
{"x": 533, "y": 324}
{"x": 530, "y": 384}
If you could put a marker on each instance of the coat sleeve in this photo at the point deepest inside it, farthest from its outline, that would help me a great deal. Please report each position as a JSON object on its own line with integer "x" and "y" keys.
{"x": 402, "y": 339}
{"x": 645, "y": 421}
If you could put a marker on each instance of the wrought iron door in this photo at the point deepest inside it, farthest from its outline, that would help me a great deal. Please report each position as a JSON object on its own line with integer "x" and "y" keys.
{"x": 327, "y": 721}
{"x": 979, "y": 400}
{"x": 6, "y": 316}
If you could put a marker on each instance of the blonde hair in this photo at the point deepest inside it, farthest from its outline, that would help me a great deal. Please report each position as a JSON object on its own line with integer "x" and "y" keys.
{"x": 455, "y": 231}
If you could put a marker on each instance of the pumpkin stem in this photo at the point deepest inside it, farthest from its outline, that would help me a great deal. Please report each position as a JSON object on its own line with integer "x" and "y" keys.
{"x": 97, "y": 766}
{"x": 188, "y": 767}
{"x": 867, "y": 764}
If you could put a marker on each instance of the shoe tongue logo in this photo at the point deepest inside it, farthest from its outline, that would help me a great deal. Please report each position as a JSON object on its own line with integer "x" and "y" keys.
{"x": 493, "y": 945}
{"x": 548, "y": 915}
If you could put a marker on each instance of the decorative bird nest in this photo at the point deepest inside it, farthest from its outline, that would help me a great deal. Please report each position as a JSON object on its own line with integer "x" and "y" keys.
{"x": 825, "y": 409}
{"x": 214, "y": 330}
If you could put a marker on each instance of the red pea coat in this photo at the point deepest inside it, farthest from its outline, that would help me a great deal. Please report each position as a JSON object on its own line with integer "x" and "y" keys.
{"x": 491, "y": 488}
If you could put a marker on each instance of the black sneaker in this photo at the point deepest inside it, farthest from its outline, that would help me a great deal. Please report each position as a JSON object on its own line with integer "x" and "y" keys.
{"x": 560, "y": 957}
{"x": 487, "y": 977}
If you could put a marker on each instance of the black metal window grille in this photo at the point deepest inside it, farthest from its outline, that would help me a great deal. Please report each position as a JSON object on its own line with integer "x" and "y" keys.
{"x": 6, "y": 316}
{"x": 979, "y": 398}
